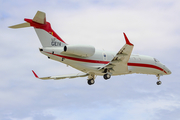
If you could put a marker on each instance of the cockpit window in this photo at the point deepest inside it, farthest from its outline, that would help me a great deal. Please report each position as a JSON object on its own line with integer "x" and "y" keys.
{"x": 156, "y": 60}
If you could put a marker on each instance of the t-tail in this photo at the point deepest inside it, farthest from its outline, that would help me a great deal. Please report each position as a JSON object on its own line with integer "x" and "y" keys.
{"x": 46, "y": 34}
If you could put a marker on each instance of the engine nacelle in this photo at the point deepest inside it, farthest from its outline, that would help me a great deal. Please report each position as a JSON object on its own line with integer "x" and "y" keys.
{"x": 80, "y": 50}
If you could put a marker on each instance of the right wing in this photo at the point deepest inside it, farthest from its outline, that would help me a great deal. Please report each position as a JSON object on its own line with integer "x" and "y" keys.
{"x": 61, "y": 76}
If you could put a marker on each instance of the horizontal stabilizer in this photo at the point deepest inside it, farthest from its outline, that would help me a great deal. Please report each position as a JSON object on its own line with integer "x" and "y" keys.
{"x": 40, "y": 17}
{"x": 22, "y": 25}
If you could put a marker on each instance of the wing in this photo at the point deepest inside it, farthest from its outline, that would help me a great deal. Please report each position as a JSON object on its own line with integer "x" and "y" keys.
{"x": 62, "y": 76}
{"x": 119, "y": 63}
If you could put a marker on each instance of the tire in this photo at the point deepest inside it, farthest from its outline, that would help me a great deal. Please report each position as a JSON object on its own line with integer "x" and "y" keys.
{"x": 91, "y": 81}
{"x": 107, "y": 76}
{"x": 159, "y": 83}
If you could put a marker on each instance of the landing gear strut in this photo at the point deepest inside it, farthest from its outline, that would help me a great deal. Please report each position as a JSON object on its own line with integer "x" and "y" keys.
{"x": 158, "y": 82}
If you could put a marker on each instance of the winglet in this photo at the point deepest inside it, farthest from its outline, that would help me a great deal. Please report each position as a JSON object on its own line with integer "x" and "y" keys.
{"x": 35, "y": 74}
{"x": 127, "y": 40}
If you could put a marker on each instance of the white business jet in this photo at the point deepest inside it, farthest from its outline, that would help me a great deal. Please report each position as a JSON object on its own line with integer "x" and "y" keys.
{"x": 86, "y": 58}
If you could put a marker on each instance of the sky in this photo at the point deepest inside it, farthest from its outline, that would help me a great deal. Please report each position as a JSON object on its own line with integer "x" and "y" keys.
{"x": 152, "y": 26}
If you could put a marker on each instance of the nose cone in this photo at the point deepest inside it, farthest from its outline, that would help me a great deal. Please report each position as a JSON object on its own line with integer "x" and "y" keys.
{"x": 168, "y": 71}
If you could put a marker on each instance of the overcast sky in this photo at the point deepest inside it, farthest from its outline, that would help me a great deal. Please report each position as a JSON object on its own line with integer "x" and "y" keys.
{"x": 152, "y": 26}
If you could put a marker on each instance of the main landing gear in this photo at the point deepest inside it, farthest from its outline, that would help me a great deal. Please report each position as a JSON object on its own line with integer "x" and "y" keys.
{"x": 158, "y": 82}
{"x": 91, "y": 79}
{"x": 107, "y": 76}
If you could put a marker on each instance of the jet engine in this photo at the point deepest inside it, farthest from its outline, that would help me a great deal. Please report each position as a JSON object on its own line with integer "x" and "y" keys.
{"x": 80, "y": 50}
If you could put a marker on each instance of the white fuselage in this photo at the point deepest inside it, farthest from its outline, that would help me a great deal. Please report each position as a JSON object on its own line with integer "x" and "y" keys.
{"x": 136, "y": 64}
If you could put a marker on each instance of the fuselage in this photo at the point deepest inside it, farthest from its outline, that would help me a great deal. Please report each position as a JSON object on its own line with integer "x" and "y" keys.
{"x": 136, "y": 64}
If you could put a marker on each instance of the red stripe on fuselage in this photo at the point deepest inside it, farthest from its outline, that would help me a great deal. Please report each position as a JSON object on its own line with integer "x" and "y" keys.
{"x": 106, "y": 62}
{"x": 147, "y": 66}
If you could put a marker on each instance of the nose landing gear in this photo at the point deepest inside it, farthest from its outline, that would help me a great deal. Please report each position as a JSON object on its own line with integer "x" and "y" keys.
{"x": 158, "y": 82}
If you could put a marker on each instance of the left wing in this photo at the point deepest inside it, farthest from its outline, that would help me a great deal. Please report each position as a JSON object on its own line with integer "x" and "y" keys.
{"x": 119, "y": 63}
{"x": 62, "y": 76}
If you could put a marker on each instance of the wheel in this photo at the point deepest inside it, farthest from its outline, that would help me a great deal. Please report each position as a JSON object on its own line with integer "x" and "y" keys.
{"x": 91, "y": 81}
{"x": 107, "y": 76}
{"x": 159, "y": 83}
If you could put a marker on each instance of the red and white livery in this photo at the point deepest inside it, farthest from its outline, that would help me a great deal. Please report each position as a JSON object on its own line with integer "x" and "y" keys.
{"x": 91, "y": 61}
